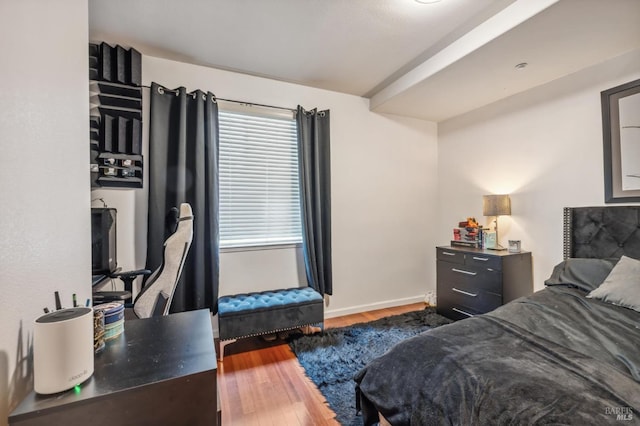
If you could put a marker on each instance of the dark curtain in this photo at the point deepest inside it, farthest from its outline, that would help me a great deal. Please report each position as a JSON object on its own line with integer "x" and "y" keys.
{"x": 314, "y": 167}
{"x": 183, "y": 167}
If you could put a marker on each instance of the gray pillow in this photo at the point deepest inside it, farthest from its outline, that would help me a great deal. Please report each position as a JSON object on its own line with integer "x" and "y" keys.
{"x": 585, "y": 274}
{"x": 622, "y": 286}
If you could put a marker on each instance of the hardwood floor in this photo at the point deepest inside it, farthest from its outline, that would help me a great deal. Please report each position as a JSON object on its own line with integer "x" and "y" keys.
{"x": 263, "y": 384}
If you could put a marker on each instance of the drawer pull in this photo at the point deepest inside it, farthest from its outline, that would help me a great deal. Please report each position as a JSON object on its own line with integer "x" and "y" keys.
{"x": 464, "y": 272}
{"x": 446, "y": 253}
{"x": 460, "y": 311}
{"x": 464, "y": 292}
{"x": 482, "y": 259}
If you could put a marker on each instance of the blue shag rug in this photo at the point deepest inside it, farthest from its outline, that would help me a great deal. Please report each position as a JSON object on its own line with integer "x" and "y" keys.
{"x": 331, "y": 359}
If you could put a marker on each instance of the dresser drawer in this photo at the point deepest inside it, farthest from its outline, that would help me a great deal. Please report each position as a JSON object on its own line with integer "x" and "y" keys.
{"x": 455, "y": 312}
{"x": 483, "y": 261}
{"x": 450, "y": 256}
{"x": 465, "y": 276}
{"x": 477, "y": 301}
{"x": 474, "y": 281}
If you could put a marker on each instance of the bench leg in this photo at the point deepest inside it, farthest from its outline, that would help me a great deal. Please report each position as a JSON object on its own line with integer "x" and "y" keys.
{"x": 220, "y": 347}
{"x": 310, "y": 329}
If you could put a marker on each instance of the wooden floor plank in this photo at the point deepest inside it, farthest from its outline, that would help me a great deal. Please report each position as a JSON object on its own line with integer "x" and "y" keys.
{"x": 267, "y": 386}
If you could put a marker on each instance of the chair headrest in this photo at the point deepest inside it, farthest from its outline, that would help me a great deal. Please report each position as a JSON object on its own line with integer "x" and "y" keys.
{"x": 185, "y": 211}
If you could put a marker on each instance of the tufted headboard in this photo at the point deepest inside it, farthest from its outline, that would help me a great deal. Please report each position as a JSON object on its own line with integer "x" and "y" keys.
{"x": 602, "y": 232}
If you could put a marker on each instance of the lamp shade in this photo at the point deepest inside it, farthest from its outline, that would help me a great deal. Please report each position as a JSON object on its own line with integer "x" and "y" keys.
{"x": 496, "y": 205}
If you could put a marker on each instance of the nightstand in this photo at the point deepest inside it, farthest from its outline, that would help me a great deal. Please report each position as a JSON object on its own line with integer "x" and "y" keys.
{"x": 475, "y": 281}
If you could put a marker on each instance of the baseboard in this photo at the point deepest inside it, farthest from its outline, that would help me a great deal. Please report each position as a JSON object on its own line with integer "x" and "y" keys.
{"x": 332, "y": 313}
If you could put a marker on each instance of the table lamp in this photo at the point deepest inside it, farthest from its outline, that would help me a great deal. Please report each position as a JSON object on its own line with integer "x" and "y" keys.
{"x": 496, "y": 205}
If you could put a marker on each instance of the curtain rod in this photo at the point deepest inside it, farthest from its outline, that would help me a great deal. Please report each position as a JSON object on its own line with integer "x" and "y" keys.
{"x": 255, "y": 104}
{"x": 241, "y": 102}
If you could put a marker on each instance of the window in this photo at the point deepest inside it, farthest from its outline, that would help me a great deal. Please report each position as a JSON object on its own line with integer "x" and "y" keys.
{"x": 259, "y": 191}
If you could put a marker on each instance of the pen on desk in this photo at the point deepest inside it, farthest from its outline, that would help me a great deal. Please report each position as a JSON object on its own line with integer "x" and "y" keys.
{"x": 58, "y": 304}
{"x": 75, "y": 301}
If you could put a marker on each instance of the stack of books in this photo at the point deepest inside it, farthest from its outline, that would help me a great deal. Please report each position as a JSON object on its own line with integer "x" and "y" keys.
{"x": 467, "y": 236}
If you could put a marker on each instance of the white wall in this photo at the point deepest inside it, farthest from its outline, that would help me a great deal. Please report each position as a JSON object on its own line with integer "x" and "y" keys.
{"x": 543, "y": 146}
{"x": 383, "y": 185}
{"x": 44, "y": 177}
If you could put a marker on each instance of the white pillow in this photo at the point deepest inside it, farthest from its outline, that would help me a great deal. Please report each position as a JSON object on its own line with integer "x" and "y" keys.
{"x": 622, "y": 285}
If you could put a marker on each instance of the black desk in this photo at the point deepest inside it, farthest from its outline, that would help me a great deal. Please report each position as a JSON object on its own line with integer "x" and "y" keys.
{"x": 100, "y": 278}
{"x": 111, "y": 296}
{"x": 160, "y": 371}
{"x": 97, "y": 279}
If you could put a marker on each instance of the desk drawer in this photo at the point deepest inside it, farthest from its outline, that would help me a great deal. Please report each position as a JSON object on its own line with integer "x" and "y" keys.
{"x": 468, "y": 277}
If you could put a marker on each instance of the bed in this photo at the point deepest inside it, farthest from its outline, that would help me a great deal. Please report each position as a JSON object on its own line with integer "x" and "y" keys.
{"x": 555, "y": 357}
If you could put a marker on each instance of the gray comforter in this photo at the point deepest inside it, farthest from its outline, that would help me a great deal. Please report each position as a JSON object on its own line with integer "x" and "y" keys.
{"x": 555, "y": 357}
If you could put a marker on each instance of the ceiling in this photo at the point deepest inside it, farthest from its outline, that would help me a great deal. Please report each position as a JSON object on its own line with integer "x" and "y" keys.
{"x": 431, "y": 61}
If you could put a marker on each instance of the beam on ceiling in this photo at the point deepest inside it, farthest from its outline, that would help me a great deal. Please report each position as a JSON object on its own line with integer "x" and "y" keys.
{"x": 492, "y": 28}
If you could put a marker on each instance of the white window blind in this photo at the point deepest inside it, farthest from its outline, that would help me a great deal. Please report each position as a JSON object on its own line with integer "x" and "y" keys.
{"x": 259, "y": 191}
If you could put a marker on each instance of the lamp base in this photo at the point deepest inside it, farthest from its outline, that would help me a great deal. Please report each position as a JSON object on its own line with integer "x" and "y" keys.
{"x": 497, "y": 248}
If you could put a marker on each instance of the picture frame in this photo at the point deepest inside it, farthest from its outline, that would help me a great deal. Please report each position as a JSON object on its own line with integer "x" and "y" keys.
{"x": 621, "y": 154}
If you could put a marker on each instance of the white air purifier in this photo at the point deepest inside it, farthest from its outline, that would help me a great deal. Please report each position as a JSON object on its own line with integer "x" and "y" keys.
{"x": 62, "y": 350}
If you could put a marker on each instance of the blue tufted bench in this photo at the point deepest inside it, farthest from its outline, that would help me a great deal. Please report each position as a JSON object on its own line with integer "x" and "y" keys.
{"x": 253, "y": 314}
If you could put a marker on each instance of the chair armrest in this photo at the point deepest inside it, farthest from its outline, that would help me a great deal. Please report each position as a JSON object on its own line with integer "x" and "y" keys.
{"x": 127, "y": 278}
{"x": 110, "y": 296}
